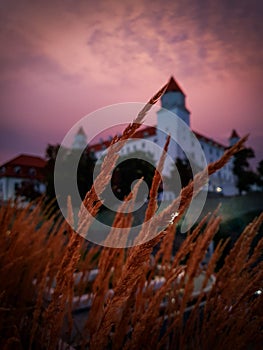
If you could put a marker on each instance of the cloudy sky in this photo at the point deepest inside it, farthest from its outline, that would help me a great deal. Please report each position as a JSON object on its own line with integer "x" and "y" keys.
{"x": 61, "y": 60}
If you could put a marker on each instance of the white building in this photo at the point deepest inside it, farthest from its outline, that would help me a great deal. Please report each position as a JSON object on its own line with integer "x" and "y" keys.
{"x": 23, "y": 168}
{"x": 173, "y": 103}
{"x": 80, "y": 139}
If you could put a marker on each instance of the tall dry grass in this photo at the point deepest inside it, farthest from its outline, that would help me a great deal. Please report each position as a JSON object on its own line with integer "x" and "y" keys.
{"x": 45, "y": 267}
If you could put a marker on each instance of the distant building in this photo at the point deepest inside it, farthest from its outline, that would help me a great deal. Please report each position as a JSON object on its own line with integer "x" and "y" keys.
{"x": 173, "y": 101}
{"x": 80, "y": 139}
{"x": 18, "y": 170}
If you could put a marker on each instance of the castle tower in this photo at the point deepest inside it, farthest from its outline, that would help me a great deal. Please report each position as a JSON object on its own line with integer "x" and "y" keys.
{"x": 174, "y": 100}
{"x": 173, "y": 103}
{"x": 80, "y": 139}
{"x": 233, "y": 138}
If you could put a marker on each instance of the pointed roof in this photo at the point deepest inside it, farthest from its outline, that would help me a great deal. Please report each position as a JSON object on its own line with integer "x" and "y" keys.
{"x": 173, "y": 86}
{"x": 26, "y": 160}
{"x": 234, "y": 135}
{"x": 81, "y": 131}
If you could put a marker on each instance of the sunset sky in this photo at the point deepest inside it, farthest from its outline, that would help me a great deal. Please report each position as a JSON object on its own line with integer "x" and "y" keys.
{"x": 61, "y": 60}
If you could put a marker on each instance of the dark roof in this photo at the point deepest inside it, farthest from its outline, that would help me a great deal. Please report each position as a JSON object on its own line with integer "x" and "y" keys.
{"x": 141, "y": 133}
{"x": 234, "y": 135}
{"x": 145, "y": 132}
{"x": 173, "y": 86}
{"x": 25, "y": 162}
{"x": 151, "y": 131}
{"x": 207, "y": 139}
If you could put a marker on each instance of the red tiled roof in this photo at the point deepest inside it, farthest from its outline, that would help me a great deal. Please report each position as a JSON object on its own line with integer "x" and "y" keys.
{"x": 140, "y": 134}
{"x": 173, "y": 86}
{"x": 151, "y": 131}
{"x": 148, "y": 131}
{"x": 25, "y": 162}
{"x": 207, "y": 139}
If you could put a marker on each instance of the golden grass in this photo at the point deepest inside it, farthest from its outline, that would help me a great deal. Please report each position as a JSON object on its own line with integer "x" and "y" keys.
{"x": 40, "y": 256}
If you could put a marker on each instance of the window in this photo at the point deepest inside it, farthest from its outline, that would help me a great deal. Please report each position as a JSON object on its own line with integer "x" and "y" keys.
{"x": 17, "y": 169}
{"x": 143, "y": 145}
{"x": 32, "y": 171}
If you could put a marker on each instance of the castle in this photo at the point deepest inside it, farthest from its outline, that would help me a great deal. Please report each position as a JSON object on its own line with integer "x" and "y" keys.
{"x": 173, "y": 103}
{"x": 173, "y": 108}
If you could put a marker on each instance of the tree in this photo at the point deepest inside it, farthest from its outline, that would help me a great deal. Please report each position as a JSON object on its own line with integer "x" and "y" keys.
{"x": 28, "y": 191}
{"x": 180, "y": 176}
{"x": 51, "y": 155}
{"x": 260, "y": 174}
{"x": 66, "y": 173}
{"x": 245, "y": 176}
{"x": 132, "y": 167}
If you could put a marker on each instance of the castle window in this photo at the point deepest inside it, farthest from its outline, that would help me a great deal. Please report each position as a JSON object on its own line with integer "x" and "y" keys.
{"x": 210, "y": 150}
{"x": 143, "y": 145}
{"x": 32, "y": 171}
{"x": 17, "y": 169}
{"x": 134, "y": 147}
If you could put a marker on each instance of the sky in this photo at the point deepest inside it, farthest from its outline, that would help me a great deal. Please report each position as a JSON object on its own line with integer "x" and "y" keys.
{"x": 61, "y": 60}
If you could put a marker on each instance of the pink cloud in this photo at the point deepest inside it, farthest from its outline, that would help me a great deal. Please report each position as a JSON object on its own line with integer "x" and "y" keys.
{"x": 67, "y": 59}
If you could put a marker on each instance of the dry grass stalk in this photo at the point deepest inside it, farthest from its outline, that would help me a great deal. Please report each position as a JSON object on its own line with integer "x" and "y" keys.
{"x": 109, "y": 163}
{"x": 196, "y": 185}
{"x": 111, "y": 259}
{"x": 55, "y": 312}
{"x": 132, "y": 274}
{"x": 152, "y": 205}
{"x": 34, "y": 248}
{"x": 230, "y": 303}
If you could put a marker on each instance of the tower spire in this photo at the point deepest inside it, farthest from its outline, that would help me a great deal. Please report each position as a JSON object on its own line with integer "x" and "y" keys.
{"x": 174, "y": 86}
{"x": 80, "y": 139}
